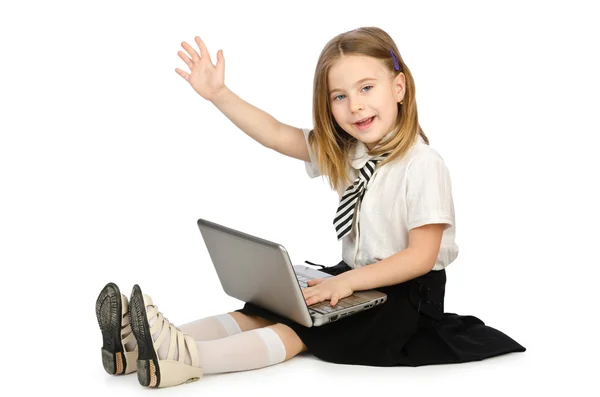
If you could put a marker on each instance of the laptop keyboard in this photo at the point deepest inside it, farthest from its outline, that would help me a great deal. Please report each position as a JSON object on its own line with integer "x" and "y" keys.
{"x": 325, "y": 307}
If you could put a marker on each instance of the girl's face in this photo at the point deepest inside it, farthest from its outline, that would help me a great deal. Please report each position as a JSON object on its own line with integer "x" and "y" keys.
{"x": 361, "y": 87}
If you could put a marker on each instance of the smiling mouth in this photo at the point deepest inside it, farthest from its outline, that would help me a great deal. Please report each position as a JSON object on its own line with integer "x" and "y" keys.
{"x": 364, "y": 121}
{"x": 365, "y": 125}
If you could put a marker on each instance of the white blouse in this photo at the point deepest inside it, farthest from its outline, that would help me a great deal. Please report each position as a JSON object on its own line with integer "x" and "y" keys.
{"x": 404, "y": 194}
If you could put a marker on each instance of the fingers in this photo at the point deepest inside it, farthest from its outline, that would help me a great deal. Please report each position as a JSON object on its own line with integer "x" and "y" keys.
{"x": 307, "y": 293}
{"x": 220, "y": 60}
{"x": 185, "y": 59}
{"x": 311, "y": 297}
{"x": 183, "y": 74}
{"x": 314, "y": 296}
{"x": 192, "y": 53}
{"x": 313, "y": 300}
{"x": 203, "y": 51}
{"x": 334, "y": 300}
{"x": 316, "y": 299}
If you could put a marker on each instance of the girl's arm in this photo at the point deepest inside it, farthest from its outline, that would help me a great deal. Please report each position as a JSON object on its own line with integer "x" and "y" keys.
{"x": 261, "y": 126}
{"x": 208, "y": 81}
{"x": 414, "y": 261}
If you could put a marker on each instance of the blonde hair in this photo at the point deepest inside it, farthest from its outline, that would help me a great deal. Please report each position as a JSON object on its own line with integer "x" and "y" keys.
{"x": 330, "y": 143}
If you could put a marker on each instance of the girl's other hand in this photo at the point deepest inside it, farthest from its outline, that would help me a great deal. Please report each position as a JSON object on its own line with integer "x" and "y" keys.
{"x": 331, "y": 288}
{"x": 204, "y": 77}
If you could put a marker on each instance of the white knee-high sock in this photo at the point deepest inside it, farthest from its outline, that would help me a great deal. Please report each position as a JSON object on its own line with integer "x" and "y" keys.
{"x": 205, "y": 329}
{"x": 211, "y": 328}
{"x": 242, "y": 351}
{"x": 253, "y": 349}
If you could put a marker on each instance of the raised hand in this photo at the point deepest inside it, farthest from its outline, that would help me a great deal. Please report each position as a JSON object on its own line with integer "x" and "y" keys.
{"x": 204, "y": 77}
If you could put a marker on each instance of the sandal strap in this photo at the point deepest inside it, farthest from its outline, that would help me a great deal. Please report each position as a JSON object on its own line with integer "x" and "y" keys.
{"x": 125, "y": 321}
{"x": 180, "y": 343}
{"x": 193, "y": 349}
{"x": 128, "y": 338}
{"x": 126, "y": 332}
{"x": 163, "y": 332}
{"x": 153, "y": 312}
{"x": 178, "y": 340}
{"x": 173, "y": 343}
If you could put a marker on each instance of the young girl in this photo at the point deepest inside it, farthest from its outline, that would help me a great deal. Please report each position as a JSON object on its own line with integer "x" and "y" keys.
{"x": 395, "y": 221}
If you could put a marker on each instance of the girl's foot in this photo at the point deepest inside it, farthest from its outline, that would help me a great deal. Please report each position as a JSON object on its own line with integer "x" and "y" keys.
{"x": 176, "y": 362}
{"x": 119, "y": 349}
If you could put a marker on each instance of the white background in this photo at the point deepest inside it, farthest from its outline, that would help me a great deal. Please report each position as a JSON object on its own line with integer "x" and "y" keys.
{"x": 108, "y": 158}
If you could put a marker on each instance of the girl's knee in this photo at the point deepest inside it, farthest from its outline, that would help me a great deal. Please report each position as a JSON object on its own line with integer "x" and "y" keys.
{"x": 292, "y": 342}
{"x": 248, "y": 323}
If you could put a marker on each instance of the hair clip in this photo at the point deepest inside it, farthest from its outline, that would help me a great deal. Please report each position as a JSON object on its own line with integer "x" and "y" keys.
{"x": 396, "y": 64}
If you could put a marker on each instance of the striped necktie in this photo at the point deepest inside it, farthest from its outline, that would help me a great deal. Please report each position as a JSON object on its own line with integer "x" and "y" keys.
{"x": 352, "y": 197}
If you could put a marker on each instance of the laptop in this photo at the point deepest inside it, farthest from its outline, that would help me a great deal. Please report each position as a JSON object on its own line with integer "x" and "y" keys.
{"x": 259, "y": 271}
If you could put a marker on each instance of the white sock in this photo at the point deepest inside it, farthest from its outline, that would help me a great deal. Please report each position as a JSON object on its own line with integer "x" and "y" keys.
{"x": 211, "y": 328}
{"x": 253, "y": 349}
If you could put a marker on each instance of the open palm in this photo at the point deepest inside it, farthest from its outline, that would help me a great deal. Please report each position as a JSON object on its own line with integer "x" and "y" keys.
{"x": 204, "y": 77}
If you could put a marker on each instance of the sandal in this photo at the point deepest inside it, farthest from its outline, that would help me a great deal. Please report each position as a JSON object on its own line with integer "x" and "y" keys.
{"x": 152, "y": 370}
{"x": 113, "y": 318}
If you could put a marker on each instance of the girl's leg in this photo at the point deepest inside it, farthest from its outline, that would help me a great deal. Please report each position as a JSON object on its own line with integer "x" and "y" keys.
{"x": 258, "y": 348}
{"x": 293, "y": 344}
{"x": 184, "y": 359}
{"x": 248, "y": 323}
{"x": 222, "y": 325}
{"x": 211, "y": 328}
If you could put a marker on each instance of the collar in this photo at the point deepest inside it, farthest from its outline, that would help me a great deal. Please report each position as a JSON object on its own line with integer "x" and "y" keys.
{"x": 359, "y": 155}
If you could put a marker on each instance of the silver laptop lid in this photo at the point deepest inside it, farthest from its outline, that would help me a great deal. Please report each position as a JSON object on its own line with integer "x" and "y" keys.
{"x": 255, "y": 270}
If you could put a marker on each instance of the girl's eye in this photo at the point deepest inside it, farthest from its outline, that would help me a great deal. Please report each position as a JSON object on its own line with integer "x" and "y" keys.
{"x": 367, "y": 86}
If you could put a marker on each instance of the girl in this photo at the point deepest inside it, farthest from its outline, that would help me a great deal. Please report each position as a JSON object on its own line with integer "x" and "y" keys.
{"x": 395, "y": 221}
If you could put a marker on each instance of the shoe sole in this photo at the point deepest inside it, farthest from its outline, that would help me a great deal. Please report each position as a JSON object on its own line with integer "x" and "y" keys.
{"x": 109, "y": 315}
{"x": 148, "y": 370}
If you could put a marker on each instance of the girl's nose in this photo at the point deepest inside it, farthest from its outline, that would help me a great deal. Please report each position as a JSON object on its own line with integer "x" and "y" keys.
{"x": 356, "y": 106}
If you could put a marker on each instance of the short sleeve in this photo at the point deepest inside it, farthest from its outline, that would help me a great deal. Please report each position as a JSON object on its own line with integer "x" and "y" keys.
{"x": 429, "y": 192}
{"x": 312, "y": 169}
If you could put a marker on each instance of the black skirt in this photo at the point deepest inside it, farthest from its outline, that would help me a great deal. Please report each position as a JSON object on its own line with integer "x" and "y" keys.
{"x": 410, "y": 329}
